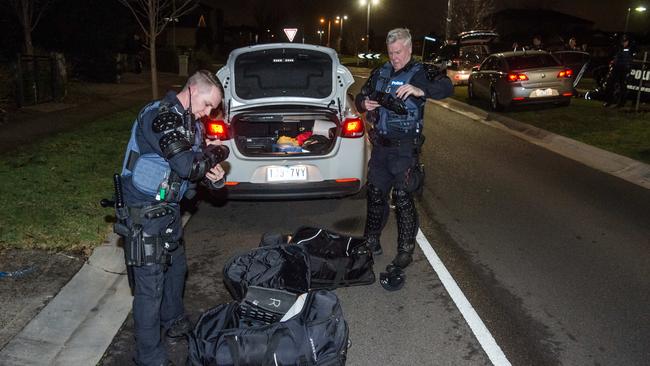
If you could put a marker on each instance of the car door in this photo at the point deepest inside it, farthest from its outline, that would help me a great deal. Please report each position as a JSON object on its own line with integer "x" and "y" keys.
{"x": 480, "y": 81}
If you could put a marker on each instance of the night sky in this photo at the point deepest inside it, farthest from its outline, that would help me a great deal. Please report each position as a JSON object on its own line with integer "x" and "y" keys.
{"x": 427, "y": 16}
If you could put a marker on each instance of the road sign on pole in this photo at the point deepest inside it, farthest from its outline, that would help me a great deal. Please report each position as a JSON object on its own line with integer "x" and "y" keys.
{"x": 291, "y": 33}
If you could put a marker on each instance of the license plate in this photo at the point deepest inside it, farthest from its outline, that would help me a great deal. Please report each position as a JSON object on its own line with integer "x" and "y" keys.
{"x": 542, "y": 93}
{"x": 286, "y": 173}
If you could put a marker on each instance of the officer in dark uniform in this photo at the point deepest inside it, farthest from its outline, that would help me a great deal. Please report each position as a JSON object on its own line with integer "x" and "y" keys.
{"x": 393, "y": 97}
{"x": 165, "y": 158}
{"x": 620, "y": 69}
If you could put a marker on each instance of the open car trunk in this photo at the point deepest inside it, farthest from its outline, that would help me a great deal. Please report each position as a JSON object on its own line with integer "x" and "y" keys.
{"x": 283, "y": 132}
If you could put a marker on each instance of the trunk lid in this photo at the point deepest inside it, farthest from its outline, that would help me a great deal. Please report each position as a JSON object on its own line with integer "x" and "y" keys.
{"x": 284, "y": 74}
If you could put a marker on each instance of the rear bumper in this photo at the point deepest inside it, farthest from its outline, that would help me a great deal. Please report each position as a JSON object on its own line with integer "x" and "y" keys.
{"x": 541, "y": 100}
{"x": 267, "y": 191}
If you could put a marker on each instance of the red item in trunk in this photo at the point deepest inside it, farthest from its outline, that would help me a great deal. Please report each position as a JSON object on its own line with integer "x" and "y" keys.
{"x": 303, "y": 136}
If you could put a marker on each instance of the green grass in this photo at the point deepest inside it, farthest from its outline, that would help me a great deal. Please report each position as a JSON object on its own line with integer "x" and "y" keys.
{"x": 617, "y": 130}
{"x": 51, "y": 190}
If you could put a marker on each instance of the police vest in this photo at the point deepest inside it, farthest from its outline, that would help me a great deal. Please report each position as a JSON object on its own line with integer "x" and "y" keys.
{"x": 149, "y": 172}
{"x": 390, "y": 123}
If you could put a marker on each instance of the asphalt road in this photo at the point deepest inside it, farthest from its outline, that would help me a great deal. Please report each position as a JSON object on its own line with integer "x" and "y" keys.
{"x": 552, "y": 253}
{"x": 416, "y": 326}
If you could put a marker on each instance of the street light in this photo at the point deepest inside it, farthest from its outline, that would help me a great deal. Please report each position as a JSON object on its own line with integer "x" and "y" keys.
{"x": 638, "y": 9}
{"x": 364, "y": 3}
{"x": 329, "y": 29}
{"x": 340, "y": 40}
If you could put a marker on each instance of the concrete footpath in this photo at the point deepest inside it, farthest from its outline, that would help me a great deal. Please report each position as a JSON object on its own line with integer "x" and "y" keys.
{"x": 77, "y": 326}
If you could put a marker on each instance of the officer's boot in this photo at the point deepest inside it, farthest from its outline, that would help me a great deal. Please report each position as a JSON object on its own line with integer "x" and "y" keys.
{"x": 377, "y": 212}
{"x": 407, "y": 227}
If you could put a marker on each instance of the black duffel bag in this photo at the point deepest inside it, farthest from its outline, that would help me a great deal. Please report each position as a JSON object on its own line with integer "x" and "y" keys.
{"x": 250, "y": 333}
{"x": 311, "y": 258}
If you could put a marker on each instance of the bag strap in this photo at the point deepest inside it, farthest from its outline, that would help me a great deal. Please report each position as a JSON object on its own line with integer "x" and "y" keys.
{"x": 234, "y": 349}
{"x": 269, "y": 356}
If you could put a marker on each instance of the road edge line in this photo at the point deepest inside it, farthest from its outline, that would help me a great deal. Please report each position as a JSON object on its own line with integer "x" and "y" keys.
{"x": 482, "y": 334}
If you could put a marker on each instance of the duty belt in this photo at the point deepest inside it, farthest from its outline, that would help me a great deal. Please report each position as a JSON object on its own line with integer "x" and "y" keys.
{"x": 137, "y": 214}
{"x": 388, "y": 142}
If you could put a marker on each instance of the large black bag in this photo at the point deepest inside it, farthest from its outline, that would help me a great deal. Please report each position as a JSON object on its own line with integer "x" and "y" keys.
{"x": 314, "y": 258}
{"x": 237, "y": 334}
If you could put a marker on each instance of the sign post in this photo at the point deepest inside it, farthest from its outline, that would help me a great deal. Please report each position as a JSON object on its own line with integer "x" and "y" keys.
{"x": 638, "y": 94}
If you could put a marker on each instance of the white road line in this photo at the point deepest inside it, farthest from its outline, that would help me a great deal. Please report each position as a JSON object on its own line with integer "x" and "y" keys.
{"x": 481, "y": 332}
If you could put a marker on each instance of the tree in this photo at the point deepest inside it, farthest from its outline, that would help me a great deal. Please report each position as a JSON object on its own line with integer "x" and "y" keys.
{"x": 153, "y": 16}
{"x": 471, "y": 14}
{"x": 29, "y": 13}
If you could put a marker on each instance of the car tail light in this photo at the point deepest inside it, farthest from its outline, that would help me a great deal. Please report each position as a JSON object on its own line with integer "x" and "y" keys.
{"x": 229, "y": 183}
{"x": 217, "y": 128}
{"x": 568, "y": 73}
{"x": 567, "y": 94}
{"x": 517, "y": 99}
{"x": 515, "y": 76}
{"x": 347, "y": 180}
{"x": 353, "y": 127}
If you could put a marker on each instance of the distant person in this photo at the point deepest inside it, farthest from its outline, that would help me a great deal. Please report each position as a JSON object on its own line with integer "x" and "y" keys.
{"x": 165, "y": 158}
{"x": 616, "y": 87}
{"x": 515, "y": 46}
{"x": 584, "y": 47}
{"x": 536, "y": 44}
{"x": 393, "y": 99}
{"x": 572, "y": 45}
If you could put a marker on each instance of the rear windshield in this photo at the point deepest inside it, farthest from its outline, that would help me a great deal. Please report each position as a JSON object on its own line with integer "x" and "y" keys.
{"x": 572, "y": 57}
{"x": 283, "y": 73}
{"x": 531, "y": 61}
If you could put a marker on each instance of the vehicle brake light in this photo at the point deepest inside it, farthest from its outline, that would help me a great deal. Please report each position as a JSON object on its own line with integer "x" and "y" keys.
{"x": 567, "y": 94}
{"x": 512, "y": 77}
{"x": 232, "y": 183}
{"x": 565, "y": 73}
{"x": 217, "y": 128}
{"x": 347, "y": 180}
{"x": 352, "y": 127}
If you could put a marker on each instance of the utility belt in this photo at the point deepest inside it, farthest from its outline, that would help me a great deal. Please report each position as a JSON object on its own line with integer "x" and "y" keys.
{"x": 415, "y": 141}
{"x": 143, "y": 249}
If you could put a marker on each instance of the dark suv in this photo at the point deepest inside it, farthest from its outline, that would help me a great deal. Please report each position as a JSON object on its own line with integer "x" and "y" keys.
{"x": 469, "y": 49}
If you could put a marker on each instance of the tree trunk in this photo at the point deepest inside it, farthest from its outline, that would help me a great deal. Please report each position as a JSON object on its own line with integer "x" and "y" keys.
{"x": 154, "y": 68}
{"x": 27, "y": 30}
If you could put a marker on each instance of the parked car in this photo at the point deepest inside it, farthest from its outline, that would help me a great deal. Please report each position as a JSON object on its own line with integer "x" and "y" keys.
{"x": 468, "y": 50}
{"x": 522, "y": 77}
{"x": 579, "y": 62}
{"x": 292, "y": 129}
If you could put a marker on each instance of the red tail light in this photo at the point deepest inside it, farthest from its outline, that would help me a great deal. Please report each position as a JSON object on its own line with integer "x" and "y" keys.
{"x": 514, "y": 76}
{"x": 217, "y": 128}
{"x": 353, "y": 127}
{"x": 565, "y": 74}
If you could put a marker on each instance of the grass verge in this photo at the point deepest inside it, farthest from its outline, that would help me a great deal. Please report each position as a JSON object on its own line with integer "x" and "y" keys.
{"x": 51, "y": 190}
{"x": 621, "y": 131}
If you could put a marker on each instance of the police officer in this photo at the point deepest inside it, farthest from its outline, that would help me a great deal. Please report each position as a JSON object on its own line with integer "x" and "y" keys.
{"x": 165, "y": 158}
{"x": 393, "y": 97}
{"x": 620, "y": 68}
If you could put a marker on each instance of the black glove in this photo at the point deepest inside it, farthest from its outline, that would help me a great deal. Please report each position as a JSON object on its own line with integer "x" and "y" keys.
{"x": 216, "y": 154}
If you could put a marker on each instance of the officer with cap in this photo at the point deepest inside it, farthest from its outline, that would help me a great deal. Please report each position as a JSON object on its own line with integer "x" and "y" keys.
{"x": 619, "y": 70}
{"x": 393, "y": 98}
{"x": 165, "y": 158}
